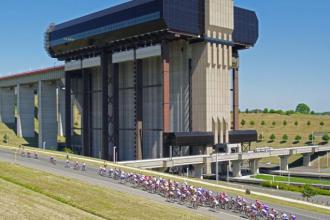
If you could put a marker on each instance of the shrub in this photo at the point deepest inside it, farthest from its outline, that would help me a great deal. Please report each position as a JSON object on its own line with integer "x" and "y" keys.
{"x": 246, "y": 110}
{"x": 290, "y": 112}
{"x": 261, "y": 137}
{"x": 266, "y": 110}
{"x": 272, "y": 111}
{"x": 251, "y": 123}
{"x": 273, "y": 123}
{"x": 68, "y": 150}
{"x": 272, "y": 137}
{"x": 311, "y": 137}
{"x": 298, "y": 138}
{"x": 309, "y": 123}
{"x": 322, "y": 123}
{"x": 263, "y": 123}
{"x": 5, "y": 138}
{"x": 296, "y": 123}
{"x": 285, "y": 122}
{"x": 243, "y": 122}
{"x": 308, "y": 191}
{"x": 326, "y": 138}
{"x": 285, "y": 138}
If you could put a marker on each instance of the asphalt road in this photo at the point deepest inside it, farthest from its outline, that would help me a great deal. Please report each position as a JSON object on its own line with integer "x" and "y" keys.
{"x": 91, "y": 177}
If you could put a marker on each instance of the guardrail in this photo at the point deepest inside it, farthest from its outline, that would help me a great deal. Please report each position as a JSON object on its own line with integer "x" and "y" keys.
{"x": 221, "y": 157}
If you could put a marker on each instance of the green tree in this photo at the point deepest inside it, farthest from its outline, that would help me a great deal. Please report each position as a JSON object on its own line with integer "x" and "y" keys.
{"x": 326, "y": 138}
{"x": 308, "y": 192}
{"x": 322, "y": 123}
{"x": 290, "y": 112}
{"x": 298, "y": 138}
{"x": 312, "y": 112}
{"x": 296, "y": 123}
{"x": 285, "y": 122}
{"x": 272, "y": 137}
{"x": 266, "y": 110}
{"x": 252, "y": 123}
{"x": 311, "y": 137}
{"x": 272, "y": 111}
{"x": 285, "y": 138}
{"x": 243, "y": 122}
{"x": 263, "y": 123}
{"x": 303, "y": 108}
{"x": 246, "y": 110}
{"x": 273, "y": 123}
{"x": 309, "y": 123}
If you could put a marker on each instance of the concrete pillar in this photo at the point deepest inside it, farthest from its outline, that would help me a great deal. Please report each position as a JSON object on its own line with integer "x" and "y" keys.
{"x": 307, "y": 159}
{"x": 7, "y": 105}
{"x": 47, "y": 114}
{"x": 284, "y": 165}
{"x": 61, "y": 111}
{"x": 254, "y": 166}
{"x": 25, "y": 111}
{"x": 237, "y": 168}
{"x": 198, "y": 170}
{"x": 208, "y": 161}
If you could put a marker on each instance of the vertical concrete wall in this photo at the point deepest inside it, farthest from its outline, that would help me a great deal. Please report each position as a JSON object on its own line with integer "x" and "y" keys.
{"x": 47, "y": 114}
{"x": 25, "y": 110}
{"x": 96, "y": 103}
{"x": 126, "y": 112}
{"x": 211, "y": 67}
{"x": 152, "y": 108}
{"x": 7, "y": 105}
{"x": 179, "y": 85}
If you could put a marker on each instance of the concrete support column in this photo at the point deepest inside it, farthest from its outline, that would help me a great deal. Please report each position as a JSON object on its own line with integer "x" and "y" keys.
{"x": 198, "y": 170}
{"x": 166, "y": 86}
{"x": 237, "y": 168}
{"x": 25, "y": 111}
{"x": 284, "y": 164}
{"x": 307, "y": 159}
{"x": 68, "y": 111}
{"x": 7, "y": 105}
{"x": 208, "y": 161}
{"x": 61, "y": 111}
{"x": 254, "y": 166}
{"x": 236, "y": 91}
{"x": 47, "y": 114}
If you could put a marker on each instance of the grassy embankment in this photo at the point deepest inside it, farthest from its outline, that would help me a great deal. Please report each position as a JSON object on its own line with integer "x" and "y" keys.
{"x": 290, "y": 125}
{"x": 219, "y": 188}
{"x": 73, "y": 198}
{"x": 292, "y": 179}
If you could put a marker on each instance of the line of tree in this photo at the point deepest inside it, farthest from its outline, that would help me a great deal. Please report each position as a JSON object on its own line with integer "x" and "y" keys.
{"x": 301, "y": 108}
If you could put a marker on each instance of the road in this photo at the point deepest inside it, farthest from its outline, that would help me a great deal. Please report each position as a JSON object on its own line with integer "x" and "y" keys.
{"x": 91, "y": 177}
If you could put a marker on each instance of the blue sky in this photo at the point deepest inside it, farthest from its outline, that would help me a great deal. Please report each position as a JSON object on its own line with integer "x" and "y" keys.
{"x": 290, "y": 63}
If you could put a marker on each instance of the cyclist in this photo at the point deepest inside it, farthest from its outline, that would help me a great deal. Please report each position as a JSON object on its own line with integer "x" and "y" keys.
{"x": 83, "y": 167}
{"x": 67, "y": 164}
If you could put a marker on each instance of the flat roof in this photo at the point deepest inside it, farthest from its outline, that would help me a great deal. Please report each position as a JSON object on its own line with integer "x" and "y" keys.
{"x": 33, "y": 72}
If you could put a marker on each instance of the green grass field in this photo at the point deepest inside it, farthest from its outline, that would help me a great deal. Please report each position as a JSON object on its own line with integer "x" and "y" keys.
{"x": 64, "y": 195}
{"x": 254, "y": 121}
{"x": 292, "y": 179}
{"x": 18, "y": 202}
